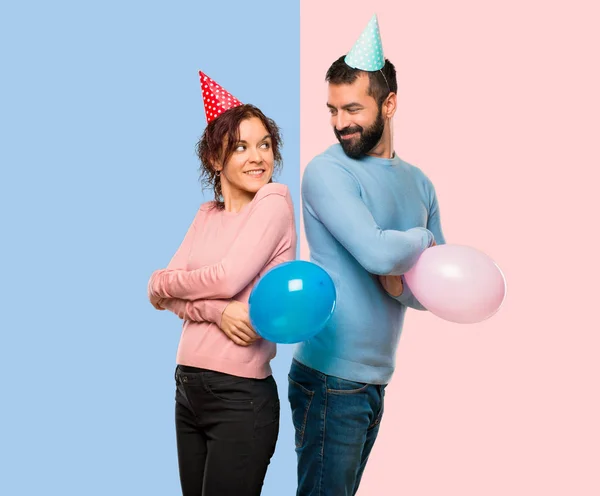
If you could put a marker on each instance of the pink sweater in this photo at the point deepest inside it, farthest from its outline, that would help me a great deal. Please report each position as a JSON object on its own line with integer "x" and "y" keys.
{"x": 221, "y": 258}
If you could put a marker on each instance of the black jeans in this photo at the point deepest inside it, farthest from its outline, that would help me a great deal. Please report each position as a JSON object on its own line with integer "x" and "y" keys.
{"x": 227, "y": 428}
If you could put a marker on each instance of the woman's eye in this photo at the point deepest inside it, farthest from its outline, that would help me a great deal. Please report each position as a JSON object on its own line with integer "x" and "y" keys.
{"x": 266, "y": 146}
{"x": 240, "y": 148}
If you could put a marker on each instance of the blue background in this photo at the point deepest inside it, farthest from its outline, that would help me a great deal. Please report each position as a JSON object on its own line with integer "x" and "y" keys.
{"x": 100, "y": 112}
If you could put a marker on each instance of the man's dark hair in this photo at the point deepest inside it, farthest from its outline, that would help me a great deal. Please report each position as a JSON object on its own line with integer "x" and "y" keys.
{"x": 379, "y": 89}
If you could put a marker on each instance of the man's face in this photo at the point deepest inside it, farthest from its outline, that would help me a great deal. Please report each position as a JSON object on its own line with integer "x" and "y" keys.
{"x": 355, "y": 116}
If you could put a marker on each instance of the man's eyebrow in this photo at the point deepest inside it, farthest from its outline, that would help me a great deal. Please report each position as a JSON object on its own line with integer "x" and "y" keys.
{"x": 347, "y": 106}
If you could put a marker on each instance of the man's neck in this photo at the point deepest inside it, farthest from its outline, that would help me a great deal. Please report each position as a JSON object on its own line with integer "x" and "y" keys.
{"x": 383, "y": 152}
{"x": 384, "y": 147}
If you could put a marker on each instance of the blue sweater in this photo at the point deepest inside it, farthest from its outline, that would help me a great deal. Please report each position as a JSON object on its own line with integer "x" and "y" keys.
{"x": 362, "y": 218}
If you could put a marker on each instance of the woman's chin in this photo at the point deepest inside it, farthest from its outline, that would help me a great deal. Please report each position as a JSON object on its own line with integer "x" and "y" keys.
{"x": 254, "y": 185}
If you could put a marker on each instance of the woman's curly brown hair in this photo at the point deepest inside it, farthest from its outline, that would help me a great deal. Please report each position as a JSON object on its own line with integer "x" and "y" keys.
{"x": 219, "y": 139}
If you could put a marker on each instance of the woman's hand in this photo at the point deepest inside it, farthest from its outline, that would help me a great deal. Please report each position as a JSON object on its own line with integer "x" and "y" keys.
{"x": 156, "y": 302}
{"x": 154, "y": 299}
{"x": 235, "y": 323}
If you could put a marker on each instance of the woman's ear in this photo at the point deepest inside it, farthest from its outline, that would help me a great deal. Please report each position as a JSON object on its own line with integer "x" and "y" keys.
{"x": 218, "y": 168}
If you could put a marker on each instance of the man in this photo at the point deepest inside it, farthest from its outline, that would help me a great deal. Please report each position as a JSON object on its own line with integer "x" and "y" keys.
{"x": 368, "y": 217}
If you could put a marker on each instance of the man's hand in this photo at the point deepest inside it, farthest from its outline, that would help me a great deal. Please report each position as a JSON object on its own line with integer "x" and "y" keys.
{"x": 392, "y": 284}
{"x": 235, "y": 323}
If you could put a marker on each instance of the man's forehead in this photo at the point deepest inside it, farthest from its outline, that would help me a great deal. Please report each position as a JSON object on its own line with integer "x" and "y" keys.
{"x": 342, "y": 94}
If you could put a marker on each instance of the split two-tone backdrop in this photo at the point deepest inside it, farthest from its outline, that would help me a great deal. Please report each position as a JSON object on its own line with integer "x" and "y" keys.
{"x": 100, "y": 111}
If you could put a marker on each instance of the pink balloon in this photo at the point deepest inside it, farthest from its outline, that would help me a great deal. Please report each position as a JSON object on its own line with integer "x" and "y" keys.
{"x": 457, "y": 283}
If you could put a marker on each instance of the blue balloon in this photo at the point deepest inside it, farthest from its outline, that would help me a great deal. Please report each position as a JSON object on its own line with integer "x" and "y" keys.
{"x": 292, "y": 302}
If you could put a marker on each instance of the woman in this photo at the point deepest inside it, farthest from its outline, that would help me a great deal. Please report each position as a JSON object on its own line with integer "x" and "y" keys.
{"x": 227, "y": 406}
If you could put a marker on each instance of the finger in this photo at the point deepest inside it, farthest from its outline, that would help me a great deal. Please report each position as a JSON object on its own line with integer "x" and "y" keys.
{"x": 237, "y": 340}
{"x": 251, "y": 336}
{"x": 230, "y": 333}
{"x": 244, "y": 326}
{"x": 247, "y": 338}
{"x": 247, "y": 329}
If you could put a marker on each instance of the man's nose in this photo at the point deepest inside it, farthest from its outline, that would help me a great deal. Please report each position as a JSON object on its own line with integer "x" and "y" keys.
{"x": 341, "y": 121}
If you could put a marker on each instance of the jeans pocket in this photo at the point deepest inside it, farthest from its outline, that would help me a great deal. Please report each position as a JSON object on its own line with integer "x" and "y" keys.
{"x": 337, "y": 385}
{"x": 267, "y": 407}
{"x": 230, "y": 388}
{"x": 217, "y": 379}
{"x": 300, "y": 400}
{"x": 379, "y": 415}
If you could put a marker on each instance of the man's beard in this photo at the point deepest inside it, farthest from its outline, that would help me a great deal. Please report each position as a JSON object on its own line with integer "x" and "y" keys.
{"x": 368, "y": 138}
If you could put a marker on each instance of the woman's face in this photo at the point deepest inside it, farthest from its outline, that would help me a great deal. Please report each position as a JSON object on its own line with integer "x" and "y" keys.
{"x": 250, "y": 166}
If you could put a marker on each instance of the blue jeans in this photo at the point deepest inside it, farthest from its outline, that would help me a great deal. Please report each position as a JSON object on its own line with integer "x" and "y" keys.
{"x": 336, "y": 423}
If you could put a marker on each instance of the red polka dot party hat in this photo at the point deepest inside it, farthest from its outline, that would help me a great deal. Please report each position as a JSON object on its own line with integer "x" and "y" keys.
{"x": 216, "y": 99}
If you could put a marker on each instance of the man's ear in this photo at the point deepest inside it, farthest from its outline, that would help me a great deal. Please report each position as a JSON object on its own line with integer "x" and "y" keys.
{"x": 389, "y": 106}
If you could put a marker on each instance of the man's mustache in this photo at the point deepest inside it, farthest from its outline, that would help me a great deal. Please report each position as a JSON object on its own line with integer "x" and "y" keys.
{"x": 349, "y": 130}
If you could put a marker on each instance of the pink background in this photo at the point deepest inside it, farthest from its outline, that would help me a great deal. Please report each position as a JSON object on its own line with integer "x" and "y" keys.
{"x": 499, "y": 105}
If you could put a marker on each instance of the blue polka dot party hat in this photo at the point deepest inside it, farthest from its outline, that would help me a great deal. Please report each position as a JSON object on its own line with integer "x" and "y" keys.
{"x": 367, "y": 52}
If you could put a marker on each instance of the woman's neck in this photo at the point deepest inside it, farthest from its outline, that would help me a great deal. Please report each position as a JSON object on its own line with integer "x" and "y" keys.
{"x": 235, "y": 199}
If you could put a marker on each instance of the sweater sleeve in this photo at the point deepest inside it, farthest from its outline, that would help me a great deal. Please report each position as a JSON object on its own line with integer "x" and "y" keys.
{"x": 407, "y": 298}
{"x": 197, "y": 310}
{"x": 434, "y": 225}
{"x": 332, "y": 195}
{"x": 266, "y": 231}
